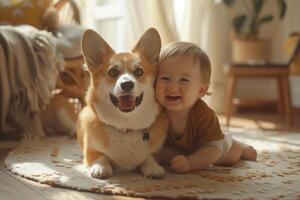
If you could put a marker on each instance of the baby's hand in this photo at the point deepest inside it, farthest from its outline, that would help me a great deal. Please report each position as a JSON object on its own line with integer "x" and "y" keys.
{"x": 181, "y": 164}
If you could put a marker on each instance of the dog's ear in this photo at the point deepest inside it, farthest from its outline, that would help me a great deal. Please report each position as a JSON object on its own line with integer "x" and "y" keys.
{"x": 95, "y": 50}
{"x": 149, "y": 46}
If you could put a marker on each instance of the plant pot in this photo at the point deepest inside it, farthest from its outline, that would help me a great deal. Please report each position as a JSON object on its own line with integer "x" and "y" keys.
{"x": 250, "y": 50}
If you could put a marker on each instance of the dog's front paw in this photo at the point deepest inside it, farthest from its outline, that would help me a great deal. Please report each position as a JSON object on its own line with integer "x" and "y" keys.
{"x": 101, "y": 168}
{"x": 151, "y": 169}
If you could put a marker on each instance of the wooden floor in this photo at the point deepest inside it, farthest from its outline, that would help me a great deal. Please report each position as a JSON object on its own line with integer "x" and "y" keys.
{"x": 13, "y": 187}
{"x": 264, "y": 118}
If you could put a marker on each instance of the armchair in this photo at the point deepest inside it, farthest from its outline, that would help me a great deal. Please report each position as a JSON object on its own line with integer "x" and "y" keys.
{"x": 61, "y": 113}
{"x": 62, "y": 19}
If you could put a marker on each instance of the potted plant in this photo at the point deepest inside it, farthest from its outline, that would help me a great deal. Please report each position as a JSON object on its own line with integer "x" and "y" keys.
{"x": 247, "y": 45}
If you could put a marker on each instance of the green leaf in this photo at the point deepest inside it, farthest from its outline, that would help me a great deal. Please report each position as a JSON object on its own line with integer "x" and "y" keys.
{"x": 229, "y": 3}
{"x": 239, "y": 22}
{"x": 282, "y": 8}
{"x": 257, "y": 5}
{"x": 265, "y": 19}
{"x": 254, "y": 26}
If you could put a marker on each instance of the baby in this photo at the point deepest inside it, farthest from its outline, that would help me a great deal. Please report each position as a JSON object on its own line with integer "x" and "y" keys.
{"x": 195, "y": 138}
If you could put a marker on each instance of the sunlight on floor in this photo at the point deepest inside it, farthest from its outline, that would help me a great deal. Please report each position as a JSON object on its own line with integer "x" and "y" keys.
{"x": 249, "y": 123}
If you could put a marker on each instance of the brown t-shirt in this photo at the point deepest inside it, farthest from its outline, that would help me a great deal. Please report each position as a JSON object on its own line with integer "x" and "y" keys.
{"x": 202, "y": 127}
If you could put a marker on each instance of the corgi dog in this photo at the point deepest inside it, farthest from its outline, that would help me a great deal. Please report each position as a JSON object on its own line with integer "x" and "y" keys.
{"x": 122, "y": 125}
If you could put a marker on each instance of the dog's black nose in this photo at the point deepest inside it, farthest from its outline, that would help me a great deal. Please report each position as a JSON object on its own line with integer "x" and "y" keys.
{"x": 127, "y": 86}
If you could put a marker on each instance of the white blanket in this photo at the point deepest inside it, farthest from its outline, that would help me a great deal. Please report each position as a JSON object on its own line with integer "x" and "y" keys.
{"x": 29, "y": 65}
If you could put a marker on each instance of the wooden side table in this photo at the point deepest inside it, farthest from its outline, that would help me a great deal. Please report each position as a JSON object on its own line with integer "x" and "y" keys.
{"x": 280, "y": 72}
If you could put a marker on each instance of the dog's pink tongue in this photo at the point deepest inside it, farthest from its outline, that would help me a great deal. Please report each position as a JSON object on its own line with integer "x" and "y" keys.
{"x": 126, "y": 102}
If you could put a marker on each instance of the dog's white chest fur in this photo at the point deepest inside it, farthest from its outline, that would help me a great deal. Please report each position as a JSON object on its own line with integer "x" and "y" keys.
{"x": 126, "y": 150}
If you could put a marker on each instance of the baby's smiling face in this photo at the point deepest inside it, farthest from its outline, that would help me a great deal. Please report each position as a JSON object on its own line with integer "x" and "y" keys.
{"x": 178, "y": 84}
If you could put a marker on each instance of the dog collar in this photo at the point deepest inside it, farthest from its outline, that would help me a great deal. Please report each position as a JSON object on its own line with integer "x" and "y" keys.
{"x": 125, "y": 130}
{"x": 146, "y": 134}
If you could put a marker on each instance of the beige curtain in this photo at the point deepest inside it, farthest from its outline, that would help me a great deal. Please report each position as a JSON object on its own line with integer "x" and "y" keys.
{"x": 208, "y": 24}
{"x": 161, "y": 16}
{"x": 135, "y": 22}
{"x": 142, "y": 15}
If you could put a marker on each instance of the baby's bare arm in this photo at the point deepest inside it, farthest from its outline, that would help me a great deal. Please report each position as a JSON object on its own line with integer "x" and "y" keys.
{"x": 165, "y": 155}
{"x": 200, "y": 159}
{"x": 204, "y": 157}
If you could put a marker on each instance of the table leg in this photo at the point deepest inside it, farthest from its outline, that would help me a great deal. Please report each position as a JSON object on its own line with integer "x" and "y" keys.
{"x": 230, "y": 90}
{"x": 287, "y": 100}
{"x": 280, "y": 98}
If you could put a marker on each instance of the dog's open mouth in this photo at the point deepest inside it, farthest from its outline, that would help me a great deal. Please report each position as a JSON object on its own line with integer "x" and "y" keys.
{"x": 126, "y": 103}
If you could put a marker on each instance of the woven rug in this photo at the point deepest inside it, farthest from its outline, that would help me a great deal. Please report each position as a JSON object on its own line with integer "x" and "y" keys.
{"x": 57, "y": 161}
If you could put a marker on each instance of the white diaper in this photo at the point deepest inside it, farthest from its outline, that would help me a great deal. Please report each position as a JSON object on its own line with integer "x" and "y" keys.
{"x": 223, "y": 145}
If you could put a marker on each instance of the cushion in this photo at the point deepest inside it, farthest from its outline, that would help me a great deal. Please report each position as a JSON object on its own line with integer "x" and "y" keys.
{"x": 69, "y": 38}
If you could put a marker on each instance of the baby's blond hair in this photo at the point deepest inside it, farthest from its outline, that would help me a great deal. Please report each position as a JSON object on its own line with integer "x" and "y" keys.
{"x": 187, "y": 49}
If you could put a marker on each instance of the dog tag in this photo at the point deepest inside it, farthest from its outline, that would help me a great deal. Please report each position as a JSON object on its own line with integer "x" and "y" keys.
{"x": 146, "y": 135}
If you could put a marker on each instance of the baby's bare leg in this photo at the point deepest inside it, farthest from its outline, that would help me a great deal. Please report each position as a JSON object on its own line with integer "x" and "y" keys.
{"x": 237, "y": 151}
{"x": 249, "y": 153}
